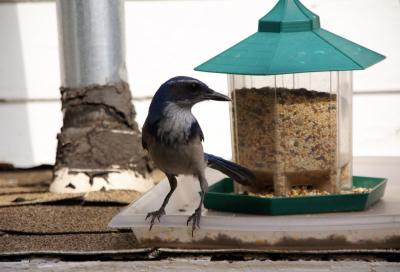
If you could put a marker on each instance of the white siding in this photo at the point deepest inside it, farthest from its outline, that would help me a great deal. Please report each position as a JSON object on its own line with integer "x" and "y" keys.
{"x": 168, "y": 38}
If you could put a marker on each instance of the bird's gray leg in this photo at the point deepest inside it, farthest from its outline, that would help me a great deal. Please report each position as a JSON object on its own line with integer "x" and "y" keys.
{"x": 161, "y": 211}
{"x": 195, "y": 217}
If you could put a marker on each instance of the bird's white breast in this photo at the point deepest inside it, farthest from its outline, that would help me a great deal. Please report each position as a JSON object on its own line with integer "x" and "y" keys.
{"x": 176, "y": 123}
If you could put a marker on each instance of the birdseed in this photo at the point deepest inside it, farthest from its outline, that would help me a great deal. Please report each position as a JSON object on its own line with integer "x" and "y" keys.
{"x": 303, "y": 191}
{"x": 288, "y": 137}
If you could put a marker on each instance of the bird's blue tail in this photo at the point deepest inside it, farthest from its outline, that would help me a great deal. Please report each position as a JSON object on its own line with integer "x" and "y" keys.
{"x": 239, "y": 173}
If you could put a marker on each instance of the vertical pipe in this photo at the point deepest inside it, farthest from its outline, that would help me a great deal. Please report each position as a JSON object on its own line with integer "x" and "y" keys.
{"x": 92, "y": 44}
{"x": 99, "y": 145}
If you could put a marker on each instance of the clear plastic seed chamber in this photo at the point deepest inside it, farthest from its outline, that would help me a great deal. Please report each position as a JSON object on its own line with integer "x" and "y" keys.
{"x": 291, "y": 112}
{"x": 294, "y": 130}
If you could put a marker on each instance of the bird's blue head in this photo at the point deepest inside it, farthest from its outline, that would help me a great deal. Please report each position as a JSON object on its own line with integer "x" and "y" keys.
{"x": 185, "y": 92}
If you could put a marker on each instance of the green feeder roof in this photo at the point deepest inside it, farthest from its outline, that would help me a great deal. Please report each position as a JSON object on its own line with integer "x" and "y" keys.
{"x": 290, "y": 40}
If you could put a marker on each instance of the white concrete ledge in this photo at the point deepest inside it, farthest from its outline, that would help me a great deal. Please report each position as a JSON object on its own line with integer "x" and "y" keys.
{"x": 78, "y": 181}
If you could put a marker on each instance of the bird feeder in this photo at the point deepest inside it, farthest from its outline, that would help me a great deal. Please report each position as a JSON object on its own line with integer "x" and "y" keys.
{"x": 291, "y": 90}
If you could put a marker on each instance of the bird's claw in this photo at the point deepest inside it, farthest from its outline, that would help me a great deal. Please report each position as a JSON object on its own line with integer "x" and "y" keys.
{"x": 155, "y": 215}
{"x": 195, "y": 218}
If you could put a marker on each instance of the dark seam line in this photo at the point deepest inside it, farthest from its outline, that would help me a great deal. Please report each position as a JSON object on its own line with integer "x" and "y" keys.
{"x": 276, "y": 49}
{"x": 344, "y": 54}
{"x": 301, "y": 10}
{"x": 27, "y": 233}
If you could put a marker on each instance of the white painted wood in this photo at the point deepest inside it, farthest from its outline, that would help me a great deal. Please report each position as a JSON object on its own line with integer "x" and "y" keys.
{"x": 180, "y": 35}
{"x": 176, "y": 37}
{"x": 29, "y": 50}
{"x": 28, "y": 133}
{"x": 387, "y": 167}
{"x": 376, "y": 125}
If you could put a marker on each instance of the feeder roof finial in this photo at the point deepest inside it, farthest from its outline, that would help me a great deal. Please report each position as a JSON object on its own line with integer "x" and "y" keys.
{"x": 288, "y": 16}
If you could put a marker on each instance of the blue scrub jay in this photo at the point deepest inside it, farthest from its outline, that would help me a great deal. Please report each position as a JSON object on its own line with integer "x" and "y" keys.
{"x": 173, "y": 137}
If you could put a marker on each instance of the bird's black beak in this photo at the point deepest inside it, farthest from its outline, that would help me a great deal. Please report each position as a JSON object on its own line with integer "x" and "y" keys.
{"x": 213, "y": 95}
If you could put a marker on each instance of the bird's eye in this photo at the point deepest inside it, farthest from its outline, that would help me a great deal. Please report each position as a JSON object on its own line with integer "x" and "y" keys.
{"x": 194, "y": 85}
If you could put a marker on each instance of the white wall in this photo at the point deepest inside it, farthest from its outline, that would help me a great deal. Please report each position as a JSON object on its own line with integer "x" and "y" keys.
{"x": 168, "y": 38}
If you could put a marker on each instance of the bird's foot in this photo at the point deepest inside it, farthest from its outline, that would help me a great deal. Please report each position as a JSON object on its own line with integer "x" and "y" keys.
{"x": 195, "y": 218}
{"x": 155, "y": 215}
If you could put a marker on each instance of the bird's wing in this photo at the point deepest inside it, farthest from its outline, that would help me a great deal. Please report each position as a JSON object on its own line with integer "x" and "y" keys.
{"x": 149, "y": 131}
{"x": 144, "y": 136}
{"x": 195, "y": 131}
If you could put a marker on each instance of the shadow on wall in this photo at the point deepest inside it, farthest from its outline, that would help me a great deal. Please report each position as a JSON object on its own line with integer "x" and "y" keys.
{"x": 15, "y": 142}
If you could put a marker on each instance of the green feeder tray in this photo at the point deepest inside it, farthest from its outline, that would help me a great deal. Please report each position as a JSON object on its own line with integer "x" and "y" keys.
{"x": 221, "y": 197}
